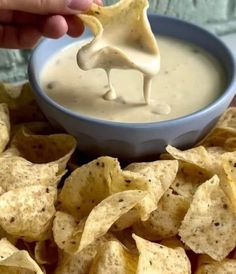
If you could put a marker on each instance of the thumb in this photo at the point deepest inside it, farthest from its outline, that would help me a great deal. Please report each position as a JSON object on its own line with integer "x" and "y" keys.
{"x": 46, "y": 6}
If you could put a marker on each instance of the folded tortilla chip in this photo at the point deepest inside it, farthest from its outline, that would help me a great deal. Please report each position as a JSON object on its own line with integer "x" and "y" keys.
{"x": 156, "y": 258}
{"x": 210, "y": 223}
{"x": 120, "y": 49}
{"x": 114, "y": 258}
{"x": 13, "y": 261}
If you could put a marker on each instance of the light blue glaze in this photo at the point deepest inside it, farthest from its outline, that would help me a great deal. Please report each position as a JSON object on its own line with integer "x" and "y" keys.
{"x": 138, "y": 141}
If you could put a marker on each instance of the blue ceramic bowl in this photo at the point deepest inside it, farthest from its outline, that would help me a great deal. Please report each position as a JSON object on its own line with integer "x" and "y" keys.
{"x": 137, "y": 141}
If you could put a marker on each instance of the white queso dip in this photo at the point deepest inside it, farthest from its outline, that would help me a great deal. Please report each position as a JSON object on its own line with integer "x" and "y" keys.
{"x": 189, "y": 80}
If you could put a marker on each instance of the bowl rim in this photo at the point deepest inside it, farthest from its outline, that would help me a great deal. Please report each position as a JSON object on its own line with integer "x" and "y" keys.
{"x": 230, "y": 88}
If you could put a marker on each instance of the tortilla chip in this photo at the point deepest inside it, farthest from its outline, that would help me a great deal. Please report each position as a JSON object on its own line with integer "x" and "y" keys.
{"x": 156, "y": 258}
{"x": 230, "y": 144}
{"x": 16, "y": 172}
{"x": 41, "y": 128}
{"x": 227, "y": 266}
{"x": 228, "y": 176}
{"x": 21, "y": 102}
{"x": 102, "y": 20}
{"x": 4, "y": 127}
{"x": 125, "y": 237}
{"x": 42, "y": 149}
{"x": 126, "y": 220}
{"x": 45, "y": 252}
{"x": 13, "y": 260}
{"x": 217, "y": 137}
{"x": 157, "y": 180}
{"x": 165, "y": 221}
{"x": 114, "y": 258}
{"x": 64, "y": 228}
{"x": 188, "y": 179}
{"x": 228, "y": 119}
{"x": 87, "y": 186}
{"x": 90, "y": 184}
{"x": 172, "y": 243}
{"x": 210, "y": 224}
{"x": 197, "y": 156}
{"x": 27, "y": 212}
{"x": 104, "y": 215}
{"x": 160, "y": 175}
{"x": 81, "y": 262}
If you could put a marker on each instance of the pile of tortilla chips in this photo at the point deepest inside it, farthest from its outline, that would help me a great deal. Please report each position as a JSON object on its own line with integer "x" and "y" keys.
{"x": 174, "y": 215}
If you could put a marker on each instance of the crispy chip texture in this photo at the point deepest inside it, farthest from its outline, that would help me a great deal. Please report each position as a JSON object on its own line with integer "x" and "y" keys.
{"x": 165, "y": 221}
{"x": 156, "y": 258}
{"x": 87, "y": 186}
{"x": 13, "y": 261}
{"x": 81, "y": 262}
{"x": 197, "y": 156}
{"x": 27, "y": 212}
{"x": 188, "y": 179}
{"x": 227, "y": 266}
{"x": 4, "y": 127}
{"x": 210, "y": 224}
{"x": 16, "y": 172}
{"x": 90, "y": 184}
{"x": 114, "y": 258}
{"x": 64, "y": 228}
{"x": 35, "y": 159}
{"x": 228, "y": 176}
{"x": 44, "y": 148}
{"x": 112, "y": 207}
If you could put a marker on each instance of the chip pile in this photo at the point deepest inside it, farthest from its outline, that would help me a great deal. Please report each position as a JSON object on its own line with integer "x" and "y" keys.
{"x": 173, "y": 215}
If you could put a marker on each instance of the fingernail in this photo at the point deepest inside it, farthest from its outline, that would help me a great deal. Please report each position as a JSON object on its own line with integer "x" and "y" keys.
{"x": 80, "y": 4}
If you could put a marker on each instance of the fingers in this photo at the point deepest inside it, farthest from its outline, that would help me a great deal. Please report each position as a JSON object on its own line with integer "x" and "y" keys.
{"x": 46, "y": 6}
{"x": 54, "y": 26}
{"x": 75, "y": 26}
{"x": 18, "y": 37}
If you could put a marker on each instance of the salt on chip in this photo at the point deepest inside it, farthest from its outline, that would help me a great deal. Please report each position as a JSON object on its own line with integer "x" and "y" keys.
{"x": 4, "y": 127}
{"x": 45, "y": 148}
{"x": 156, "y": 258}
{"x": 17, "y": 172}
{"x": 227, "y": 266}
{"x": 105, "y": 214}
{"x": 27, "y": 212}
{"x": 136, "y": 33}
{"x": 188, "y": 179}
{"x": 81, "y": 262}
{"x": 114, "y": 258}
{"x": 165, "y": 221}
{"x": 16, "y": 260}
{"x": 210, "y": 224}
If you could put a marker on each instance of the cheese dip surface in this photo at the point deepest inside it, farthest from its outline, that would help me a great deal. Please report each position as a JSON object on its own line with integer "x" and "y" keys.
{"x": 189, "y": 80}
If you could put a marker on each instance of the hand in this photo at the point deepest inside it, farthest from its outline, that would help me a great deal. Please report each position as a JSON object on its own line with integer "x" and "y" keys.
{"x": 24, "y": 22}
